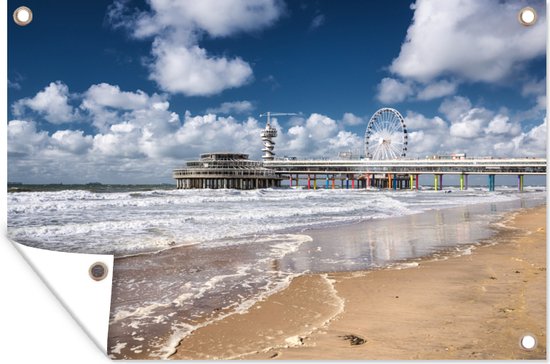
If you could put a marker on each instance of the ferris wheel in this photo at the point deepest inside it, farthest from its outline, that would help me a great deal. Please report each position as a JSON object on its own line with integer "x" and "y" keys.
{"x": 386, "y": 135}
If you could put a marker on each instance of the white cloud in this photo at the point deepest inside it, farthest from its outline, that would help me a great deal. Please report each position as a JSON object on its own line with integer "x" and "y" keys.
{"x": 468, "y": 39}
{"x": 237, "y": 107}
{"x": 106, "y": 95}
{"x": 352, "y": 120}
{"x": 471, "y": 124}
{"x": 317, "y": 136}
{"x": 144, "y": 140}
{"x": 179, "y": 65}
{"x": 437, "y": 89}
{"x": 454, "y": 107}
{"x": 73, "y": 141}
{"x": 52, "y": 103}
{"x": 415, "y": 120}
{"x": 501, "y": 125}
{"x": 218, "y": 18}
{"x": 24, "y": 139}
{"x": 108, "y": 105}
{"x": 392, "y": 91}
{"x": 189, "y": 70}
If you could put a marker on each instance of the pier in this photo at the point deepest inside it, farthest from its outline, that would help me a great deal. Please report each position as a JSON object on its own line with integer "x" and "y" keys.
{"x": 226, "y": 170}
{"x": 401, "y": 173}
{"x": 384, "y": 166}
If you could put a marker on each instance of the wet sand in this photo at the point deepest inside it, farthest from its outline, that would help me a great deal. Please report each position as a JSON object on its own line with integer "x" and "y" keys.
{"x": 474, "y": 306}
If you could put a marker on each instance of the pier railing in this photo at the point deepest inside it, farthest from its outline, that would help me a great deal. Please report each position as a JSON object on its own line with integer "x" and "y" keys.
{"x": 534, "y": 166}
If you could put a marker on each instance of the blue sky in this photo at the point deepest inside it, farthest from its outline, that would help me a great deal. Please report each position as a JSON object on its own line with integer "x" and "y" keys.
{"x": 124, "y": 91}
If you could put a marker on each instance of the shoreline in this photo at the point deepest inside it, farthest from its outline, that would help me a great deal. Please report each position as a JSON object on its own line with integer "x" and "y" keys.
{"x": 474, "y": 306}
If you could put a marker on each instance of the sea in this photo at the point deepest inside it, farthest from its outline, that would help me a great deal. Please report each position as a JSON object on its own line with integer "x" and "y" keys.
{"x": 185, "y": 258}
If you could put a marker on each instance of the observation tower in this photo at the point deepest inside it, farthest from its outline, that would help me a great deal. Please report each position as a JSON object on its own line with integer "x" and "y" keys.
{"x": 269, "y": 133}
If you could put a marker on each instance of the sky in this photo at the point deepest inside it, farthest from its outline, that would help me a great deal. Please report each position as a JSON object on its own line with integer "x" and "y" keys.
{"x": 124, "y": 91}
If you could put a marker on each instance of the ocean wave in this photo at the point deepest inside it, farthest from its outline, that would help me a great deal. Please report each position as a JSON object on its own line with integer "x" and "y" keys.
{"x": 126, "y": 223}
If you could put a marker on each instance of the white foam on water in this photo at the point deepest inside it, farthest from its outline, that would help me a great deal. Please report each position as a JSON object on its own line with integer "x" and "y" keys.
{"x": 181, "y": 330}
{"x": 405, "y": 265}
{"x": 136, "y": 222}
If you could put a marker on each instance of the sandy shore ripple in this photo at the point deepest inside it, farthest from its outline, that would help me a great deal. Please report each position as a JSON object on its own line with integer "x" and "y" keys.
{"x": 475, "y": 306}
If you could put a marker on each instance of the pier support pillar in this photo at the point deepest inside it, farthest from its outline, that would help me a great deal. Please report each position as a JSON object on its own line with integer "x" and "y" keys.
{"x": 347, "y": 183}
{"x": 461, "y": 182}
{"x": 368, "y": 180}
{"x": 436, "y": 182}
{"x": 411, "y": 182}
{"x": 520, "y": 182}
{"x": 326, "y": 183}
{"x": 290, "y": 181}
{"x": 389, "y": 180}
{"x": 353, "y": 183}
{"x": 308, "y": 182}
{"x": 315, "y": 182}
{"x": 491, "y": 182}
{"x": 333, "y": 182}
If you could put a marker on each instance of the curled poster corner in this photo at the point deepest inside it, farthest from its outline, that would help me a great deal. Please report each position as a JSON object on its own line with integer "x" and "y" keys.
{"x": 67, "y": 276}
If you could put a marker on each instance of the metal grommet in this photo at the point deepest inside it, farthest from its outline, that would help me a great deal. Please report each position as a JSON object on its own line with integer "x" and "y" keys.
{"x": 528, "y": 342}
{"x": 527, "y": 16}
{"x": 98, "y": 271}
{"x": 22, "y": 16}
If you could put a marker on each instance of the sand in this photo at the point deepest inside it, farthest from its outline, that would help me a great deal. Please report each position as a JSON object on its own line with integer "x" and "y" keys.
{"x": 475, "y": 306}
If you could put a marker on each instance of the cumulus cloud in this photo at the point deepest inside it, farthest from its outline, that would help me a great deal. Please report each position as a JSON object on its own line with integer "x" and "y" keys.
{"x": 236, "y": 107}
{"x": 109, "y": 96}
{"x": 73, "y": 141}
{"x": 469, "y": 39}
{"x": 391, "y": 90}
{"x": 437, "y": 89}
{"x": 190, "y": 71}
{"x": 24, "y": 139}
{"x": 453, "y": 107}
{"x": 470, "y": 125}
{"x": 415, "y": 120}
{"x": 107, "y": 105}
{"x": 501, "y": 125}
{"x": 179, "y": 64}
{"x": 453, "y": 42}
{"x": 352, "y": 120}
{"x": 317, "y": 136}
{"x": 476, "y": 131}
{"x": 52, "y": 103}
{"x": 144, "y": 139}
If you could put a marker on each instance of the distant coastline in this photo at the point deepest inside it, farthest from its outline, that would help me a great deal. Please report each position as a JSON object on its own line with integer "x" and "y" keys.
{"x": 92, "y": 187}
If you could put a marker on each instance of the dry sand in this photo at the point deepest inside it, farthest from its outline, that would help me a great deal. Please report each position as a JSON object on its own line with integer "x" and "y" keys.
{"x": 474, "y": 306}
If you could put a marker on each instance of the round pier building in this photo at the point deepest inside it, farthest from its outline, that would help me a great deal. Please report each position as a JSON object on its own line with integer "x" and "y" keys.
{"x": 225, "y": 170}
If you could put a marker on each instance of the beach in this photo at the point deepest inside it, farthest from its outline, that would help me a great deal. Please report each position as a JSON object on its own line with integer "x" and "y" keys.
{"x": 263, "y": 273}
{"x": 473, "y": 305}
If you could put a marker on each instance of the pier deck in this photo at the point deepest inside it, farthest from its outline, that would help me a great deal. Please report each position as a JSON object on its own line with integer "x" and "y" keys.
{"x": 236, "y": 171}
